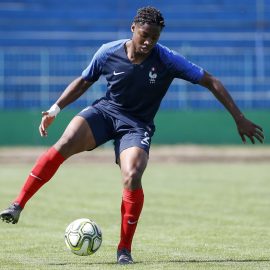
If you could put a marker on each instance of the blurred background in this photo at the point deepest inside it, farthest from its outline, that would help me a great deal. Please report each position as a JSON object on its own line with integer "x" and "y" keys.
{"x": 45, "y": 44}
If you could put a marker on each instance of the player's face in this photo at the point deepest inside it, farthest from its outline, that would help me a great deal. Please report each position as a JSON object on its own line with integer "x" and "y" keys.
{"x": 145, "y": 37}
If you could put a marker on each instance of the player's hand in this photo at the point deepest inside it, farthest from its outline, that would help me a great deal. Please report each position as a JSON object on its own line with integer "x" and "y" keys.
{"x": 250, "y": 130}
{"x": 45, "y": 122}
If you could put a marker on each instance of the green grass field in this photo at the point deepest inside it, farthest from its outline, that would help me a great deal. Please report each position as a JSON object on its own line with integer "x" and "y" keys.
{"x": 196, "y": 216}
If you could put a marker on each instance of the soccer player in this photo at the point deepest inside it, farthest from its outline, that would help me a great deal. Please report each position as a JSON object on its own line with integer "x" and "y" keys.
{"x": 138, "y": 71}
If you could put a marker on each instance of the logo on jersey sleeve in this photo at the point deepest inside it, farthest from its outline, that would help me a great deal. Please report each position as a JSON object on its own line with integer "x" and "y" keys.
{"x": 152, "y": 75}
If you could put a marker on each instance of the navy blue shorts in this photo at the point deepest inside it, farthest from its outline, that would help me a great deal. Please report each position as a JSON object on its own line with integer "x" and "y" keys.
{"x": 106, "y": 127}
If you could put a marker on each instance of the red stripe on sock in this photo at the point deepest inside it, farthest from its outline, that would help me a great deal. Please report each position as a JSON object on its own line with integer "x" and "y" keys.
{"x": 132, "y": 204}
{"x": 42, "y": 172}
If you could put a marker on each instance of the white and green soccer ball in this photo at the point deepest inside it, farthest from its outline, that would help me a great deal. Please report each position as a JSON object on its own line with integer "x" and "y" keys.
{"x": 83, "y": 237}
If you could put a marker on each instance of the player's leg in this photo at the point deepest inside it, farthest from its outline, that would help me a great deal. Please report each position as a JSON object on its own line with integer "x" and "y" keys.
{"x": 133, "y": 158}
{"x": 133, "y": 162}
{"x": 78, "y": 137}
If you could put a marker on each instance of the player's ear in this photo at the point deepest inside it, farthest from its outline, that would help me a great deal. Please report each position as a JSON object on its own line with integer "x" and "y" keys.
{"x": 132, "y": 27}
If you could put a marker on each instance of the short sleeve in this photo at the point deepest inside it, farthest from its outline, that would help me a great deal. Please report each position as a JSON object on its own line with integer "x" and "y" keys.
{"x": 94, "y": 69}
{"x": 180, "y": 67}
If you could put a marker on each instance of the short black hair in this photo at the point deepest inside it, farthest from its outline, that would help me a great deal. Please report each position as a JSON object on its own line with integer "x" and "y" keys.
{"x": 149, "y": 15}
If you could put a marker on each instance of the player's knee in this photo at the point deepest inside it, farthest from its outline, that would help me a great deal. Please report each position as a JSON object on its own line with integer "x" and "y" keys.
{"x": 132, "y": 178}
{"x": 66, "y": 146}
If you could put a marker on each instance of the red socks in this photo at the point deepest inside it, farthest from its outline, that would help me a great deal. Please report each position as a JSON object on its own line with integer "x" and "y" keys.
{"x": 132, "y": 204}
{"x": 42, "y": 172}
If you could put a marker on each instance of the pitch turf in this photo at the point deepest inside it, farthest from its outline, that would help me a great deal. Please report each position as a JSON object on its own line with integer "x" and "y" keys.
{"x": 196, "y": 216}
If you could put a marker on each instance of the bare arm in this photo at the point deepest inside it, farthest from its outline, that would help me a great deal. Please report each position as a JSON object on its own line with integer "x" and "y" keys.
{"x": 244, "y": 126}
{"x": 73, "y": 91}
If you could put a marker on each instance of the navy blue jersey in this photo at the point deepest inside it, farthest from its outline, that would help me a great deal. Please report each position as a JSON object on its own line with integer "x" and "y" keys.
{"x": 136, "y": 90}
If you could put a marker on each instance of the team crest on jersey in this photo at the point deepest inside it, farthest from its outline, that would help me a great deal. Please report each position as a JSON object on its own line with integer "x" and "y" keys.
{"x": 152, "y": 75}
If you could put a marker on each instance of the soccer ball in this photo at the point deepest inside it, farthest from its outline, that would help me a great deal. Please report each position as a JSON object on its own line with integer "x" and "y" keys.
{"x": 83, "y": 237}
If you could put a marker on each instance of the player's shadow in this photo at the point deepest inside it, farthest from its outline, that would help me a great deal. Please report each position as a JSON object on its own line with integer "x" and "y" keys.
{"x": 194, "y": 261}
{"x": 172, "y": 261}
{"x": 81, "y": 263}
{"x": 220, "y": 261}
